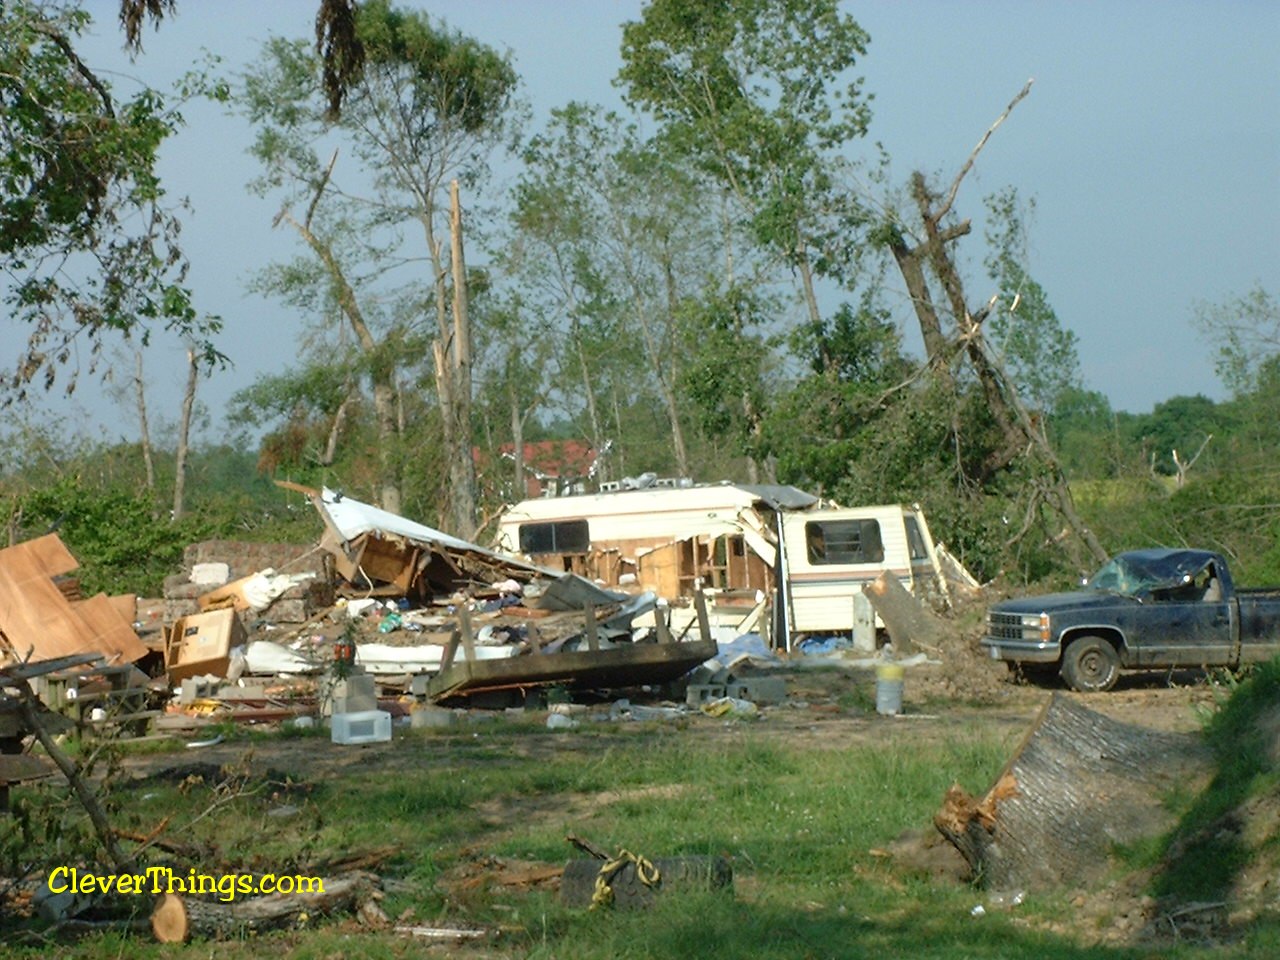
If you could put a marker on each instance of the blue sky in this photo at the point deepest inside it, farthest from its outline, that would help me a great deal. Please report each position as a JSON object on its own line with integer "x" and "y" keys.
{"x": 1150, "y": 142}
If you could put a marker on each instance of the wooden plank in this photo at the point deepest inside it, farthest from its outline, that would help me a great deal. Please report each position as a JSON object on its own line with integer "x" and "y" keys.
{"x": 700, "y": 606}
{"x": 450, "y": 650}
{"x": 662, "y": 624}
{"x": 14, "y": 768}
{"x": 468, "y": 639}
{"x": 625, "y": 665}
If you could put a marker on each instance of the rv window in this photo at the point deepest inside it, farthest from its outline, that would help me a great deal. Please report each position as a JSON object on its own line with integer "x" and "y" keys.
{"x": 844, "y": 541}
{"x": 915, "y": 542}
{"x": 562, "y": 536}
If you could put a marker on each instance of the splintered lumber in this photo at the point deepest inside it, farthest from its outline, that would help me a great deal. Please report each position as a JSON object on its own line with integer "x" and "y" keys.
{"x": 178, "y": 917}
{"x": 1078, "y": 785}
{"x": 911, "y": 626}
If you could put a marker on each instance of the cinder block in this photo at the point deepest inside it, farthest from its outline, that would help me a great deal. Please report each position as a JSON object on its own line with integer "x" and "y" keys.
{"x": 437, "y": 718}
{"x": 699, "y": 693}
{"x": 357, "y": 693}
{"x": 765, "y": 690}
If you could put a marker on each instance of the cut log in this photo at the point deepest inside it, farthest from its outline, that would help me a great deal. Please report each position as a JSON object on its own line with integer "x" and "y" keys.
{"x": 1078, "y": 785}
{"x": 910, "y": 624}
{"x": 630, "y": 892}
{"x": 179, "y": 917}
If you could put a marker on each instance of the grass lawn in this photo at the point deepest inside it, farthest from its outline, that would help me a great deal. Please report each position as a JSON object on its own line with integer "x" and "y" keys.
{"x": 803, "y": 812}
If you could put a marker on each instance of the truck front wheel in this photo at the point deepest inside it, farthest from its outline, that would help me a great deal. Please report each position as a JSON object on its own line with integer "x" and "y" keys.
{"x": 1090, "y": 665}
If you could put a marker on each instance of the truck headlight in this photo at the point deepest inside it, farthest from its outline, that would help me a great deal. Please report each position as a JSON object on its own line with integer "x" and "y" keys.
{"x": 1036, "y": 624}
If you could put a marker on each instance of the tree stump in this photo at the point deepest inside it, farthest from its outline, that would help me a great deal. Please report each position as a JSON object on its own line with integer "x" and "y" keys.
{"x": 1078, "y": 785}
{"x": 178, "y": 917}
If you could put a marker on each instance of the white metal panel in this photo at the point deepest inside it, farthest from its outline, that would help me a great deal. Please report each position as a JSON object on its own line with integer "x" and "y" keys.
{"x": 640, "y": 515}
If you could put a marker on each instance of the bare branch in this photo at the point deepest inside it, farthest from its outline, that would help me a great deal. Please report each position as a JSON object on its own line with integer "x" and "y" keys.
{"x": 968, "y": 164}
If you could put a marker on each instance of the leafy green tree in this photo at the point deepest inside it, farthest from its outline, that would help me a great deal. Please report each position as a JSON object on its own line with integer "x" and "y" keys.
{"x": 821, "y": 430}
{"x": 88, "y": 246}
{"x": 1245, "y": 332}
{"x": 1181, "y": 424}
{"x": 1038, "y": 351}
{"x": 429, "y": 106}
{"x": 612, "y": 243}
{"x": 761, "y": 93}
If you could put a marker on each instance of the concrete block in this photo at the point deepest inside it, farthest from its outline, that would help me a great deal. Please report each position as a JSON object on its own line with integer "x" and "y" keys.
{"x": 432, "y": 718}
{"x": 699, "y": 693}
{"x": 357, "y": 693}
{"x": 764, "y": 690}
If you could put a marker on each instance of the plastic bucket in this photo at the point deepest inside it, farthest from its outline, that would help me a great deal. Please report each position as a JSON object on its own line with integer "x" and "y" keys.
{"x": 889, "y": 688}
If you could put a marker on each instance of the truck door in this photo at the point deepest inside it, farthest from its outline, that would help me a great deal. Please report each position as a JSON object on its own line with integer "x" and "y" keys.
{"x": 1187, "y": 625}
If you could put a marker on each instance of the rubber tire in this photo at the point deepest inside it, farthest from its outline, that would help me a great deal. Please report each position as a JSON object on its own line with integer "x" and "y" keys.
{"x": 1090, "y": 665}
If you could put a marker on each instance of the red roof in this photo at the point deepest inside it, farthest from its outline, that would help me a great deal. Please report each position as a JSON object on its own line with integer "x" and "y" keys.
{"x": 547, "y": 460}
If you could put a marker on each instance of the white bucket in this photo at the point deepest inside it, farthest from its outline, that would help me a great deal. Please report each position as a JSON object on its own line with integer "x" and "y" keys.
{"x": 889, "y": 677}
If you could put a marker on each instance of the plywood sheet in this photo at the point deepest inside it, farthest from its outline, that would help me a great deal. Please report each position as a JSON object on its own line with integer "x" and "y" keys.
{"x": 109, "y": 628}
{"x": 40, "y": 622}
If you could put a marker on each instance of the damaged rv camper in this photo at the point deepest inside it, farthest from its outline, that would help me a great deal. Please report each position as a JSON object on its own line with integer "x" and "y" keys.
{"x": 770, "y": 559}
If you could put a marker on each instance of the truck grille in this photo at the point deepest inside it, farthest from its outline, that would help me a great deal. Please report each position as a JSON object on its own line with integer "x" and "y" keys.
{"x": 1005, "y": 626}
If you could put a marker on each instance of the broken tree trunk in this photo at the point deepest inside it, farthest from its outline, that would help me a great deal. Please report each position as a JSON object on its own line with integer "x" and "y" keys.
{"x": 1078, "y": 785}
{"x": 177, "y": 918}
{"x": 910, "y": 624}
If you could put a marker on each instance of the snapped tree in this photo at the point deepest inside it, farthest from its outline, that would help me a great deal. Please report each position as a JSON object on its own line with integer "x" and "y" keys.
{"x": 428, "y": 107}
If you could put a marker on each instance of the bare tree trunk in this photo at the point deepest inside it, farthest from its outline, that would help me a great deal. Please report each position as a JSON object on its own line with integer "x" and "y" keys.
{"x": 593, "y": 413}
{"x": 1018, "y": 430}
{"x": 462, "y": 466}
{"x": 806, "y": 282}
{"x": 382, "y": 371}
{"x": 176, "y": 918}
{"x": 520, "y": 490}
{"x": 184, "y": 433}
{"x": 140, "y": 394}
{"x": 335, "y": 428}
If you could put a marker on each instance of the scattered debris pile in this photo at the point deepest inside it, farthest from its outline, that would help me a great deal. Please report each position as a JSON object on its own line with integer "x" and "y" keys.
{"x": 280, "y": 582}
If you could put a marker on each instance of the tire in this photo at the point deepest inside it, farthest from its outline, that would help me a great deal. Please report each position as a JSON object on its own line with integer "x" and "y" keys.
{"x": 1090, "y": 665}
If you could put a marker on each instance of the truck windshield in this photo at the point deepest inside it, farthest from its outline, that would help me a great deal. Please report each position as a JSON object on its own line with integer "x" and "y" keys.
{"x": 1133, "y": 575}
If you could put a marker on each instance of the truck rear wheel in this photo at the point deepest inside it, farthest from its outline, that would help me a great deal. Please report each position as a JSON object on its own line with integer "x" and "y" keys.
{"x": 1090, "y": 665}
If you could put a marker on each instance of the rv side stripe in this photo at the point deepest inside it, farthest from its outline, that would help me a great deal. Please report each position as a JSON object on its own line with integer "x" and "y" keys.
{"x": 813, "y": 579}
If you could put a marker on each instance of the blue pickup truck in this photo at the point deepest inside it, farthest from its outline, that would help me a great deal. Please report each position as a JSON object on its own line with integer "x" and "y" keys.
{"x": 1143, "y": 609}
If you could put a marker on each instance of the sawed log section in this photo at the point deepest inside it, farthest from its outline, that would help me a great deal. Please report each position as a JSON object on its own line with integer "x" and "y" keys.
{"x": 177, "y": 918}
{"x": 1078, "y": 785}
